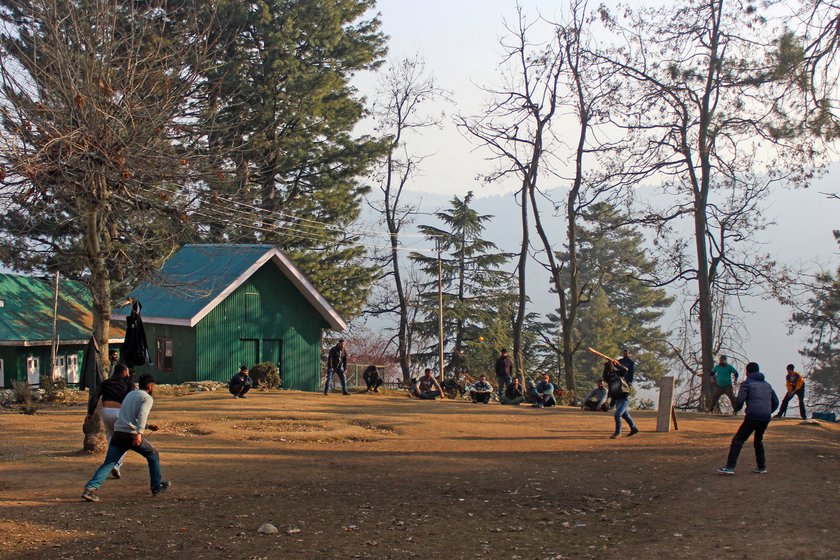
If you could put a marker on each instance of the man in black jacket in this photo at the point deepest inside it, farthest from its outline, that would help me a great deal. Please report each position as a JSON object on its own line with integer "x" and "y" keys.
{"x": 761, "y": 401}
{"x": 504, "y": 371}
{"x": 337, "y": 365}
{"x": 240, "y": 383}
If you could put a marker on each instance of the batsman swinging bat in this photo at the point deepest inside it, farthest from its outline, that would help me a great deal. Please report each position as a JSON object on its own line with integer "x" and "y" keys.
{"x": 613, "y": 360}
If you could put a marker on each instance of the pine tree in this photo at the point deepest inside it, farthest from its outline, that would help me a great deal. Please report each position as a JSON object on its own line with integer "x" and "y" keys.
{"x": 821, "y": 317}
{"x": 475, "y": 288}
{"x": 284, "y": 111}
{"x": 620, "y": 308}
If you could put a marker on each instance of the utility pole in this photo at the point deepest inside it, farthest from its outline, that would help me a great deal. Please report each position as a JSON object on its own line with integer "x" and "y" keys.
{"x": 54, "y": 345}
{"x": 439, "y": 247}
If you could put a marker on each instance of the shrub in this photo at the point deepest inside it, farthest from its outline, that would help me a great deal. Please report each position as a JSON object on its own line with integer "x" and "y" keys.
{"x": 265, "y": 375}
{"x": 23, "y": 392}
{"x": 24, "y": 397}
{"x": 53, "y": 388}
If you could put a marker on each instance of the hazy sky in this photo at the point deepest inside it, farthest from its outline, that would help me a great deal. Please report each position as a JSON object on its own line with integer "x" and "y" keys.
{"x": 459, "y": 40}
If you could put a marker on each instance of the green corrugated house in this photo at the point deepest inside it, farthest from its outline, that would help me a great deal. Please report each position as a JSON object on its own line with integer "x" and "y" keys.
{"x": 216, "y": 307}
{"x": 26, "y": 318}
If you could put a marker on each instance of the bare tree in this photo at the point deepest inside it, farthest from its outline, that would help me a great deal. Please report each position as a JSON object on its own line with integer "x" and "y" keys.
{"x": 515, "y": 127}
{"x": 97, "y": 102}
{"x": 707, "y": 116}
{"x": 405, "y": 88}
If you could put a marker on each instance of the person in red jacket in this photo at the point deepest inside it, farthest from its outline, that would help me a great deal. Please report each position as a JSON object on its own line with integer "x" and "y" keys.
{"x": 795, "y": 383}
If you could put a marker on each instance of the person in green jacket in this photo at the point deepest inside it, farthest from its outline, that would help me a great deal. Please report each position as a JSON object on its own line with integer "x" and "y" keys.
{"x": 724, "y": 377}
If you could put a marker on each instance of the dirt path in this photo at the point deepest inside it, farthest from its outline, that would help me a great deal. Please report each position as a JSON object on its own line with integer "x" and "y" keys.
{"x": 387, "y": 477}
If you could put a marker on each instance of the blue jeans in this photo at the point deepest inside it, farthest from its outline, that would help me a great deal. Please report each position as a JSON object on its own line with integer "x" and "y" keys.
{"x": 341, "y": 377}
{"x": 120, "y": 443}
{"x": 621, "y": 412}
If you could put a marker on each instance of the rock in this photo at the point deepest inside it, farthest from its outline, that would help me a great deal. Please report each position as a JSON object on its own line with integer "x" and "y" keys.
{"x": 268, "y": 529}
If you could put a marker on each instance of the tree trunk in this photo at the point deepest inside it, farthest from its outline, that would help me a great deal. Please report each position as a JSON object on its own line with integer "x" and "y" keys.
{"x": 100, "y": 288}
{"x": 519, "y": 321}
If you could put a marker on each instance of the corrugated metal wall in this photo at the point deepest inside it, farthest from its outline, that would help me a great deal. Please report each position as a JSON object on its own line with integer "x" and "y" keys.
{"x": 264, "y": 310}
{"x": 14, "y": 360}
{"x": 183, "y": 356}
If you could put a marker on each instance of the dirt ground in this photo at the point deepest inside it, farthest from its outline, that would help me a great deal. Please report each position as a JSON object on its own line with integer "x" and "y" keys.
{"x": 370, "y": 476}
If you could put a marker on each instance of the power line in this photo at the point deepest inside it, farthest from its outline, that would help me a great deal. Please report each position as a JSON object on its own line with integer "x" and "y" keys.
{"x": 311, "y": 236}
{"x": 276, "y": 213}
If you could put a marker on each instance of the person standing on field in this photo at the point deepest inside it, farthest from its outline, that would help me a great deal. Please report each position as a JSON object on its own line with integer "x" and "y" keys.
{"x": 112, "y": 392}
{"x": 128, "y": 435}
{"x": 761, "y": 401}
{"x": 504, "y": 371}
{"x": 795, "y": 384}
{"x": 724, "y": 377}
{"x": 337, "y": 365}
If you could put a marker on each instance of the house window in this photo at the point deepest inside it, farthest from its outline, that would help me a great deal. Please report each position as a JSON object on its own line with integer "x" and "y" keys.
{"x": 165, "y": 352}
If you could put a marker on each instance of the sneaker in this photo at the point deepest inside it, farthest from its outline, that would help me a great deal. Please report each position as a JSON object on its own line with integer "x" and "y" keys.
{"x": 345, "y": 393}
{"x": 615, "y": 436}
{"x": 633, "y": 432}
{"x": 726, "y": 471}
{"x": 115, "y": 473}
{"x": 760, "y": 470}
{"x": 90, "y": 495}
{"x": 164, "y": 486}
{"x": 242, "y": 397}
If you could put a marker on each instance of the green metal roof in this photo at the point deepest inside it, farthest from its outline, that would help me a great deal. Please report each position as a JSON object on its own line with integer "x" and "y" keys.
{"x": 26, "y": 314}
{"x": 198, "y": 277}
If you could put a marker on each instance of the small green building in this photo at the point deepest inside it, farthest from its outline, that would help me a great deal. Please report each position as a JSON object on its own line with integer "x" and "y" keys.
{"x": 214, "y": 308}
{"x": 26, "y": 319}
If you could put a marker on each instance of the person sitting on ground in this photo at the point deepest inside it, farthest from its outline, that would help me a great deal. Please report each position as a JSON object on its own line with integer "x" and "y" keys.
{"x": 481, "y": 390}
{"x": 372, "y": 379}
{"x": 513, "y": 392}
{"x": 427, "y": 387}
{"x": 240, "y": 383}
{"x": 543, "y": 392}
{"x": 596, "y": 400}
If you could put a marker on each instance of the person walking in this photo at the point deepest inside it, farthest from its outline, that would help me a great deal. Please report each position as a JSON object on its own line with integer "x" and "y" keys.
{"x": 112, "y": 392}
{"x": 795, "y": 384}
{"x": 619, "y": 380}
{"x": 504, "y": 371}
{"x": 724, "y": 377}
{"x": 337, "y": 365}
{"x": 128, "y": 435}
{"x": 761, "y": 401}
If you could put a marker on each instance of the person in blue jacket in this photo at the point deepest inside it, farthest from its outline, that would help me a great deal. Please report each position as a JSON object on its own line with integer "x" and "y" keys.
{"x": 761, "y": 401}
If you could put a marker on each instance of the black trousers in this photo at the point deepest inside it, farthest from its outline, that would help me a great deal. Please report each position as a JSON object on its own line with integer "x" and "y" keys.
{"x": 239, "y": 389}
{"x": 748, "y": 426}
{"x": 480, "y": 397}
{"x": 374, "y": 384}
{"x": 789, "y": 397}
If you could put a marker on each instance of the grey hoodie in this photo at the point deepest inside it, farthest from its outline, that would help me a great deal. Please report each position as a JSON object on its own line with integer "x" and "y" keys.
{"x": 759, "y": 397}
